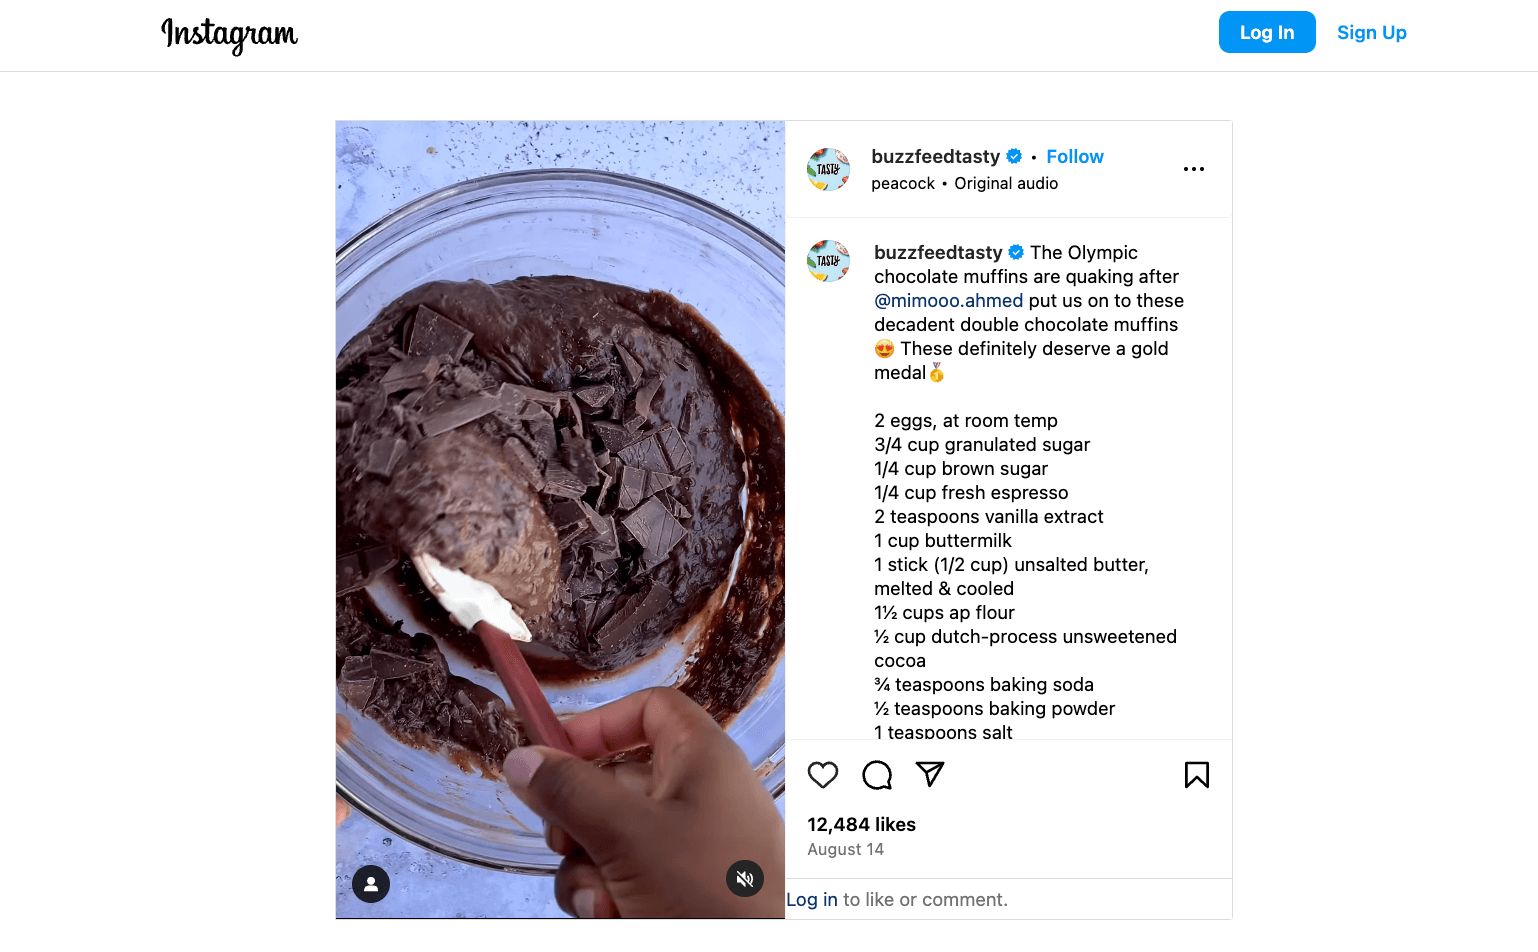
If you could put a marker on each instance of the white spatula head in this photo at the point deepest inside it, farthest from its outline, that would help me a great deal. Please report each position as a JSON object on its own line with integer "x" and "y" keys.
{"x": 469, "y": 600}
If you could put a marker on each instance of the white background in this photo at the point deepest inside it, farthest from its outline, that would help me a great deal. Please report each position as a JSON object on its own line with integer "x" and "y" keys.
{"x": 171, "y": 233}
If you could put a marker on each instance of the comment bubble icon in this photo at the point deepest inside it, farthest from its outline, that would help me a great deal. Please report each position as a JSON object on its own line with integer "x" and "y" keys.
{"x": 877, "y": 775}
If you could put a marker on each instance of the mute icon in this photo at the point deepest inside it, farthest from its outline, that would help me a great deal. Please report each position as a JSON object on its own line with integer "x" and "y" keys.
{"x": 744, "y": 878}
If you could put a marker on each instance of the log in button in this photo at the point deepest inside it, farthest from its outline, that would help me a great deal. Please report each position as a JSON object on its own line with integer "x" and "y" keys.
{"x": 1267, "y": 31}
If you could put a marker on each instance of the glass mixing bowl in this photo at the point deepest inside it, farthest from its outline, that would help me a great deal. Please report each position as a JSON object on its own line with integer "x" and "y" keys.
{"x": 592, "y": 224}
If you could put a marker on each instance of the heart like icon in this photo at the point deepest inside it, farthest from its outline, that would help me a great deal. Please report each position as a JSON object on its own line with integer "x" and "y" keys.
{"x": 822, "y": 773}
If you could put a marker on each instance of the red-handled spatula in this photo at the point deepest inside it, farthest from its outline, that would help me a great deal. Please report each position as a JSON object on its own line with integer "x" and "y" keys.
{"x": 482, "y": 609}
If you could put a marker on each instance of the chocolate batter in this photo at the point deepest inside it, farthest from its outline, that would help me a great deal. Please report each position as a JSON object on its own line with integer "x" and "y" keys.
{"x": 581, "y": 446}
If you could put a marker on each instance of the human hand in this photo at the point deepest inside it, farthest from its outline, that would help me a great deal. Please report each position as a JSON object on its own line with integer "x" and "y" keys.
{"x": 653, "y": 840}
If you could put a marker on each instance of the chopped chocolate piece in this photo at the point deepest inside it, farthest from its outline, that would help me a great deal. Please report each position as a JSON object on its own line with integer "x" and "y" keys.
{"x": 645, "y": 454}
{"x": 356, "y": 693}
{"x": 411, "y": 373}
{"x": 413, "y": 399}
{"x": 385, "y": 701}
{"x": 454, "y": 415}
{"x": 616, "y": 405}
{"x": 606, "y": 540}
{"x": 673, "y": 533}
{"x": 437, "y": 665}
{"x": 464, "y": 710}
{"x": 586, "y": 609}
{"x": 510, "y": 403}
{"x": 358, "y": 668}
{"x": 606, "y": 606}
{"x": 524, "y": 463}
{"x": 575, "y": 417}
{"x": 595, "y": 397}
{"x": 565, "y": 513}
{"x": 578, "y": 535}
{"x": 396, "y": 352}
{"x": 632, "y": 369}
{"x": 606, "y": 547}
{"x": 515, "y": 404}
{"x": 432, "y": 333}
{"x": 537, "y": 420}
{"x": 679, "y": 457}
{"x": 345, "y": 413}
{"x": 603, "y": 486}
{"x": 659, "y": 482}
{"x": 383, "y": 454}
{"x": 480, "y": 718}
{"x": 593, "y": 518}
{"x": 606, "y": 567}
{"x": 601, "y": 459}
{"x": 585, "y": 587}
{"x": 577, "y": 455}
{"x": 641, "y": 403}
{"x": 551, "y": 401}
{"x": 541, "y": 437}
{"x": 411, "y": 707}
{"x": 635, "y": 611}
{"x": 615, "y": 437}
{"x": 632, "y": 486}
{"x": 560, "y": 481}
{"x": 678, "y": 509}
{"x": 388, "y": 665}
{"x": 654, "y": 527}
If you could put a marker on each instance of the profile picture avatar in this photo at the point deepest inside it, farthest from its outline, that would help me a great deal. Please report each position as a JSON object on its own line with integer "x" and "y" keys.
{"x": 828, "y": 170}
{"x": 828, "y": 261}
{"x": 370, "y": 883}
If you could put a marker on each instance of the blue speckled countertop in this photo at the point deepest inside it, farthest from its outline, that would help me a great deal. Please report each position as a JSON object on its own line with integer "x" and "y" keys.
{"x": 739, "y": 166}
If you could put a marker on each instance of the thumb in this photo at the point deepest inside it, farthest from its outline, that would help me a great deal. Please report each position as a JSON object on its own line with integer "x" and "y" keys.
{"x": 589, "y": 803}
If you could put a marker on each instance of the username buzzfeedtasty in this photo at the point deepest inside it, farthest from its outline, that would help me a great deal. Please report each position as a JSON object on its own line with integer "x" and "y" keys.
{"x": 1015, "y": 450}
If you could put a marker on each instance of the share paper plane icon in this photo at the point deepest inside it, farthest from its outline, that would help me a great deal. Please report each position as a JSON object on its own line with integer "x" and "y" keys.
{"x": 931, "y": 770}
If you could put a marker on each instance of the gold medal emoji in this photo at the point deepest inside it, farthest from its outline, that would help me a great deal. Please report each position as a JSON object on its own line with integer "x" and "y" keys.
{"x": 935, "y": 374}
